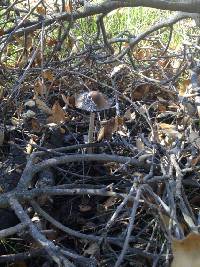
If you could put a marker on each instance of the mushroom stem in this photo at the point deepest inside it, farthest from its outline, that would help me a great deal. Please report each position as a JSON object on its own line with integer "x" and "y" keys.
{"x": 91, "y": 130}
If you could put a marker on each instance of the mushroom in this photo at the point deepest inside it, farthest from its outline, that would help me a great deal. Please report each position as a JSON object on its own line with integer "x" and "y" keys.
{"x": 92, "y": 101}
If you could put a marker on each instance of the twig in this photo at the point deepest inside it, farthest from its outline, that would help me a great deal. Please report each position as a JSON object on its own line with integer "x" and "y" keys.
{"x": 41, "y": 239}
{"x": 130, "y": 228}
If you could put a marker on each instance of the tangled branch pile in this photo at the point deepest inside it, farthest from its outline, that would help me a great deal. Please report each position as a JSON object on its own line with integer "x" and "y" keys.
{"x": 99, "y": 138}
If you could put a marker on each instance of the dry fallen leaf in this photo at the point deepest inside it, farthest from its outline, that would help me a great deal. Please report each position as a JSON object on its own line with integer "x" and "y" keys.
{"x": 68, "y": 6}
{"x": 182, "y": 86}
{"x": 130, "y": 116}
{"x": 39, "y": 87}
{"x": 48, "y": 74}
{"x": 38, "y": 58}
{"x": 168, "y": 133}
{"x": 58, "y": 114}
{"x": 41, "y": 10}
{"x": 42, "y": 106}
{"x": 109, "y": 127}
{"x": 186, "y": 251}
{"x": 140, "y": 92}
{"x": 69, "y": 101}
{"x": 1, "y": 31}
{"x": 51, "y": 42}
{"x": 35, "y": 125}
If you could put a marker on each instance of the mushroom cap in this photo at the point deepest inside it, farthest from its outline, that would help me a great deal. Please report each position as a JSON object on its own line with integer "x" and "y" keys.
{"x": 93, "y": 101}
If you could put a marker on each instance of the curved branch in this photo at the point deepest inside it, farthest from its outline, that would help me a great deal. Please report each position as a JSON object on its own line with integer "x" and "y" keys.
{"x": 104, "y": 8}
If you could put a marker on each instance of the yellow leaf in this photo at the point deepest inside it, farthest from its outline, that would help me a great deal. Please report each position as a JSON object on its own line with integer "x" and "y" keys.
{"x": 58, "y": 114}
{"x": 186, "y": 251}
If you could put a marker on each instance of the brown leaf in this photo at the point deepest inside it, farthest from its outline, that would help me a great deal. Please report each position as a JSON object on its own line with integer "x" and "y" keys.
{"x": 195, "y": 161}
{"x": 42, "y": 106}
{"x": 140, "y": 92}
{"x": 1, "y": 32}
{"x": 107, "y": 130}
{"x": 39, "y": 87}
{"x": 182, "y": 86}
{"x": 130, "y": 116}
{"x": 109, "y": 127}
{"x": 69, "y": 101}
{"x": 52, "y": 42}
{"x": 170, "y": 131}
{"x": 35, "y": 125}
{"x": 48, "y": 74}
{"x": 68, "y": 6}
{"x": 58, "y": 114}
{"x": 162, "y": 107}
{"x": 186, "y": 251}
{"x": 38, "y": 58}
{"x": 41, "y": 10}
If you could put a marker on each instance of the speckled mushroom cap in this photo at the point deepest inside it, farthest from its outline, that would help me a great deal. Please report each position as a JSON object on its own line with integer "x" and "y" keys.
{"x": 93, "y": 101}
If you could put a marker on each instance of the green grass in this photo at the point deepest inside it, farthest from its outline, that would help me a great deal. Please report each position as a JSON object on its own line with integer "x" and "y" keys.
{"x": 130, "y": 20}
{"x": 135, "y": 21}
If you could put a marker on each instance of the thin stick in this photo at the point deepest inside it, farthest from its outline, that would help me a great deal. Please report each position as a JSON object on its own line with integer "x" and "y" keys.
{"x": 130, "y": 228}
{"x": 41, "y": 239}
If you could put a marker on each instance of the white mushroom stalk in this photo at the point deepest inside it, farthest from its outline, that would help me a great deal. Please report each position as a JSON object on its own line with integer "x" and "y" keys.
{"x": 93, "y": 101}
